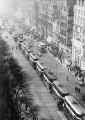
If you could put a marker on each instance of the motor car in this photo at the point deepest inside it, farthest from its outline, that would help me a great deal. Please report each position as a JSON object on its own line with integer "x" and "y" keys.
{"x": 48, "y": 78}
{"x": 43, "y": 49}
{"x": 58, "y": 87}
{"x": 80, "y": 79}
{"x": 39, "y": 54}
{"x": 77, "y": 73}
{"x": 21, "y": 36}
{"x": 74, "y": 108}
{"x": 20, "y": 40}
{"x": 23, "y": 46}
{"x": 41, "y": 44}
{"x": 27, "y": 52}
{"x": 15, "y": 38}
{"x": 20, "y": 45}
{"x": 24, "y": 49}
{"x": 27, "y": 33}
{"x": 40, "y": 68}
{"x": 33, "y": 59}
{"x": 76, "y": 70}
{"x": 60, "y": 92}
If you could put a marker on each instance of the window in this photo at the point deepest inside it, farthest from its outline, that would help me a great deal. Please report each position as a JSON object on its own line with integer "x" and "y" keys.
{"x": 63, "y": 32}
{"x": 77, "y": 36}
{"x": 78, "y": 29}
{"x": 75, "y": 20}
{"x": 84, "y": 32}
{"x": 78, "y": 39}
{"x": 75, "y": 28}
{"x": 64, "y": 25}
{"x": 71, "y": 13}
{"x": 50, "y": 28}
{"x": 84, "y": 52}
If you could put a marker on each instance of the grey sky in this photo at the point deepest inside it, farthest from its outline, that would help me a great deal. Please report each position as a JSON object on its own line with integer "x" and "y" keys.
{"x": 9, "y": 6}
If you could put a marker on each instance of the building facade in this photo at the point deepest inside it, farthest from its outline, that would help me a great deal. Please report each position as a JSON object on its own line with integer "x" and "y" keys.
{"x": 78, "y": 41}
{"x": 65, "y": 19}
{"x": 45, "y": 19}
{"x": 56, "y": 20}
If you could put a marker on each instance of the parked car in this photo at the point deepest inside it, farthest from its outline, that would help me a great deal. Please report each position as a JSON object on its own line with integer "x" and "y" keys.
{"x": 33, "y": 59}
{"x": 80, "y": 79}
{"x": 15, "y": 37}
{"x": 20, "y": 44}
{"x": 73, "y": 108}
{"x": 76, "y": 70}
{"x": 48, "y": 78}
{"x": 78, "y": 73}
{"x": 21, "y": 40}
{"x": 40, "y": 68}
{"x": 60, "y": 92}
{"x": 42, "y": 47}
{"x": 27, "y": 52}
{"x": 23, "y": 46}
{"x": 21, "y": 36}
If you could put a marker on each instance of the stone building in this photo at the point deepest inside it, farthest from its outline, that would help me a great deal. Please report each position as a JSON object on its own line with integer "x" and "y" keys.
{"x": 45, "y": 19}
{"x": 78, "y": 41}
{"x": 56, "y": 20}
{"x": 65, "y": 21}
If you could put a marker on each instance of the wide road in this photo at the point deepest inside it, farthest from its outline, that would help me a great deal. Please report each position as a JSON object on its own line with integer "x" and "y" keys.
{"x": 66, "y": 78}
{"x": 41, "y": 96}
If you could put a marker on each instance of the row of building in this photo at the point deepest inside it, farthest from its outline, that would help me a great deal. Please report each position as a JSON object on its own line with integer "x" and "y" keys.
{"x": 56, "y": 19}
{"x": 78, "y": 40}
{"x": 63, "y": 21}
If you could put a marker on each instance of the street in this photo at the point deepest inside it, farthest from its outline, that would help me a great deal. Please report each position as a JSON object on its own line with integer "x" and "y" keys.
{"x": 41, "y": 96}
{"x": 61, "y": 72}
{"x": 67, "y": 78}
{"x": 42, "y": 60}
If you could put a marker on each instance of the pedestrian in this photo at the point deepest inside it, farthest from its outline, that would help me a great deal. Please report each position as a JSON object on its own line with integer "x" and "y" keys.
{"x": 68, "y": 67}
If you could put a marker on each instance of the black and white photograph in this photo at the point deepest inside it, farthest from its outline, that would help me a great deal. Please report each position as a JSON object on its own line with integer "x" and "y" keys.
{"x": 42, "y": 59}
